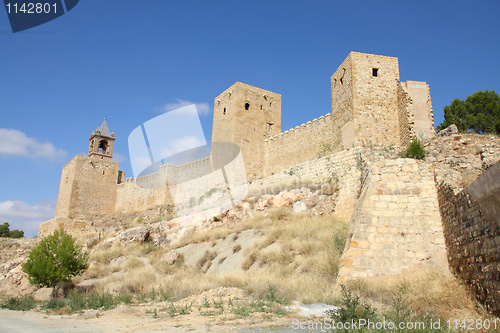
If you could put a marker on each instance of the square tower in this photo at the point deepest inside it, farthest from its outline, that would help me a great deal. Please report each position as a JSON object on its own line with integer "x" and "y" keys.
{"x": 88, "y": 184}
{"x": 365, "y": 101}
{"x": 246, "y": 115}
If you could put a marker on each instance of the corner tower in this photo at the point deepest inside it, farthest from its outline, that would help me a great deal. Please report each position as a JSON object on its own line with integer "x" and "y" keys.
{"x": 365, "y": 101}
{"x": 246, "y": 115}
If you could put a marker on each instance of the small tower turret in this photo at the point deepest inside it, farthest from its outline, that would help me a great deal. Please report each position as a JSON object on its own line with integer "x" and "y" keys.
{"x": 102, "y": 142}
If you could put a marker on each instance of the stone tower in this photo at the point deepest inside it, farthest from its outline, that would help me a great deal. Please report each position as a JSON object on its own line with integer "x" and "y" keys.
{"x": 365, "y": 101}
{"x": 246, "y": 115}
{"x": 88, "y": 183}
{"x": 102, "y": 142}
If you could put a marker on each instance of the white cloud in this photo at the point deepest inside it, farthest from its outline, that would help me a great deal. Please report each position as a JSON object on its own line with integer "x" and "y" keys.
{"x": 141, "y": 163}
{"x": 16, "y": 143}
{"x": 117, "y": 157}
{"x": 180, "y": 145}
{"x": 202, "y": 108}
{"x": 28, "y": 218}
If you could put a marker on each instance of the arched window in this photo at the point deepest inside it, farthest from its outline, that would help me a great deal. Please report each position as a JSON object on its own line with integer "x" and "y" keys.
{"x": 247, "y": 106}
{"x": 103, "y": 147}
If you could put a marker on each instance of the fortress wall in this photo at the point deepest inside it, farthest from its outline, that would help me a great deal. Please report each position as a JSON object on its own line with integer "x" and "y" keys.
{"x": 131, "y": 198}
{"x": 70, "y": 226}
{"x": 302, "y": 143}
{"x": 396, "y": 227}
{"x": 190, "y": 170}
{"x": 151, "y": 190}
{"x": 154, "y": 180}
{"x": 472, "y": 231}
{"x": 339, "y": 169}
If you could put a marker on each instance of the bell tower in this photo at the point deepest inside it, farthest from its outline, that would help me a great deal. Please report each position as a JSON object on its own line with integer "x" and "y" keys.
{"x": 101, "y": 142}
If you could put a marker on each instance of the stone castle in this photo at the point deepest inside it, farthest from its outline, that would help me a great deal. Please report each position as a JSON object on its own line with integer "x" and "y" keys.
{"x": 369, "y": 107}
{"x": 403, "y": 214}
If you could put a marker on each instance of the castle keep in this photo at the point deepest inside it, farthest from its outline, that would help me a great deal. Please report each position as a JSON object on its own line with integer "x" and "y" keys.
{"x": 369, "y": 107}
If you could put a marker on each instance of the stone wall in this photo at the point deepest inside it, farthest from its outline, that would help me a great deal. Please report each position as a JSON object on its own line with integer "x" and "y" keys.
{"x": 396, "y": 227}
{"x": 472, "y": 228}
{"x": 69, "y": 225}
{"x": 131, "y": 198}
{"x": 302, "y": 143}
{"x": 339, "y": 170}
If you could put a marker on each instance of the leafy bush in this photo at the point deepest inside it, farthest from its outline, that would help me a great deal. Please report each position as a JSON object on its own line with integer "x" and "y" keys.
{"x": 415, "y": 150}
{"x": 56, "y": 258}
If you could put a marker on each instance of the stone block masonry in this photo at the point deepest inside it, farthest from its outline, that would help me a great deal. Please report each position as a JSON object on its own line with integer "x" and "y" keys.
{"x": 88, "y": 187}
{"x": 472, "y": 228}
{"x": 396, "y": 227}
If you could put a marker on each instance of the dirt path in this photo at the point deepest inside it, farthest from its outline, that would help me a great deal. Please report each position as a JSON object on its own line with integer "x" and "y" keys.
{"x": 129, "y": 320}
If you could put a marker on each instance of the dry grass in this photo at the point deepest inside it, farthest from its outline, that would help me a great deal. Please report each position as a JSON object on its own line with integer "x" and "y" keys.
{"x": 299, "y": 254}
{"x": 236, "y": 248}
{"x": 426, "y": 292}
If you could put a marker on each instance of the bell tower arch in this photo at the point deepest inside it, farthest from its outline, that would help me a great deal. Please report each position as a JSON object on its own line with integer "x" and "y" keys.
{"x": 102, "y": 142}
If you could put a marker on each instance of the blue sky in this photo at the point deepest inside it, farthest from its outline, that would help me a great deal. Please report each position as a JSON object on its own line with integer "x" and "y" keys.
{"x": 131, "y": 60}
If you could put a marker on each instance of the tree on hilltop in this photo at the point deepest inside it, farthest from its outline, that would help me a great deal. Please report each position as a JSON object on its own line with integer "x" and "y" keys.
{"x": 5, "y": 232}
{"x": 479, "y": 113}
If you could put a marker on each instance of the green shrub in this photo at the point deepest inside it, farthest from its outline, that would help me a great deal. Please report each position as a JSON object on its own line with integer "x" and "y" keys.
{"x": 415, "y": 150}
{"x": 23, "y": 303}
{"x": 56, "y": 258}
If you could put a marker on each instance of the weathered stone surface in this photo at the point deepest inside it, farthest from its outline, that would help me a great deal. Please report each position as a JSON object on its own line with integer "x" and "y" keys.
{"x": 399, "y": 218}
{"x": 452, "y": 129}
{"x": 170, "y": 257}
{"x": 299, "y": 207}
{"x": 136, "y": 235}
{"x": 472, "y": 229}
{"x": 43, "y": 294}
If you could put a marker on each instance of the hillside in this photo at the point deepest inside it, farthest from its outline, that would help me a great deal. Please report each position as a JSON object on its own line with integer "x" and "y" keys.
{"x": 275, "y": 248}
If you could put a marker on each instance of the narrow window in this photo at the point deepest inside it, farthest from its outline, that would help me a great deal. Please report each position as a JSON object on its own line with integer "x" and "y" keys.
{"x": 341, "y": 80}
{"x": 224, "y": 111}
{"x": 375, "y": 72}
{"x": 261, "y": 107}
{"x": 247, "y": 106}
